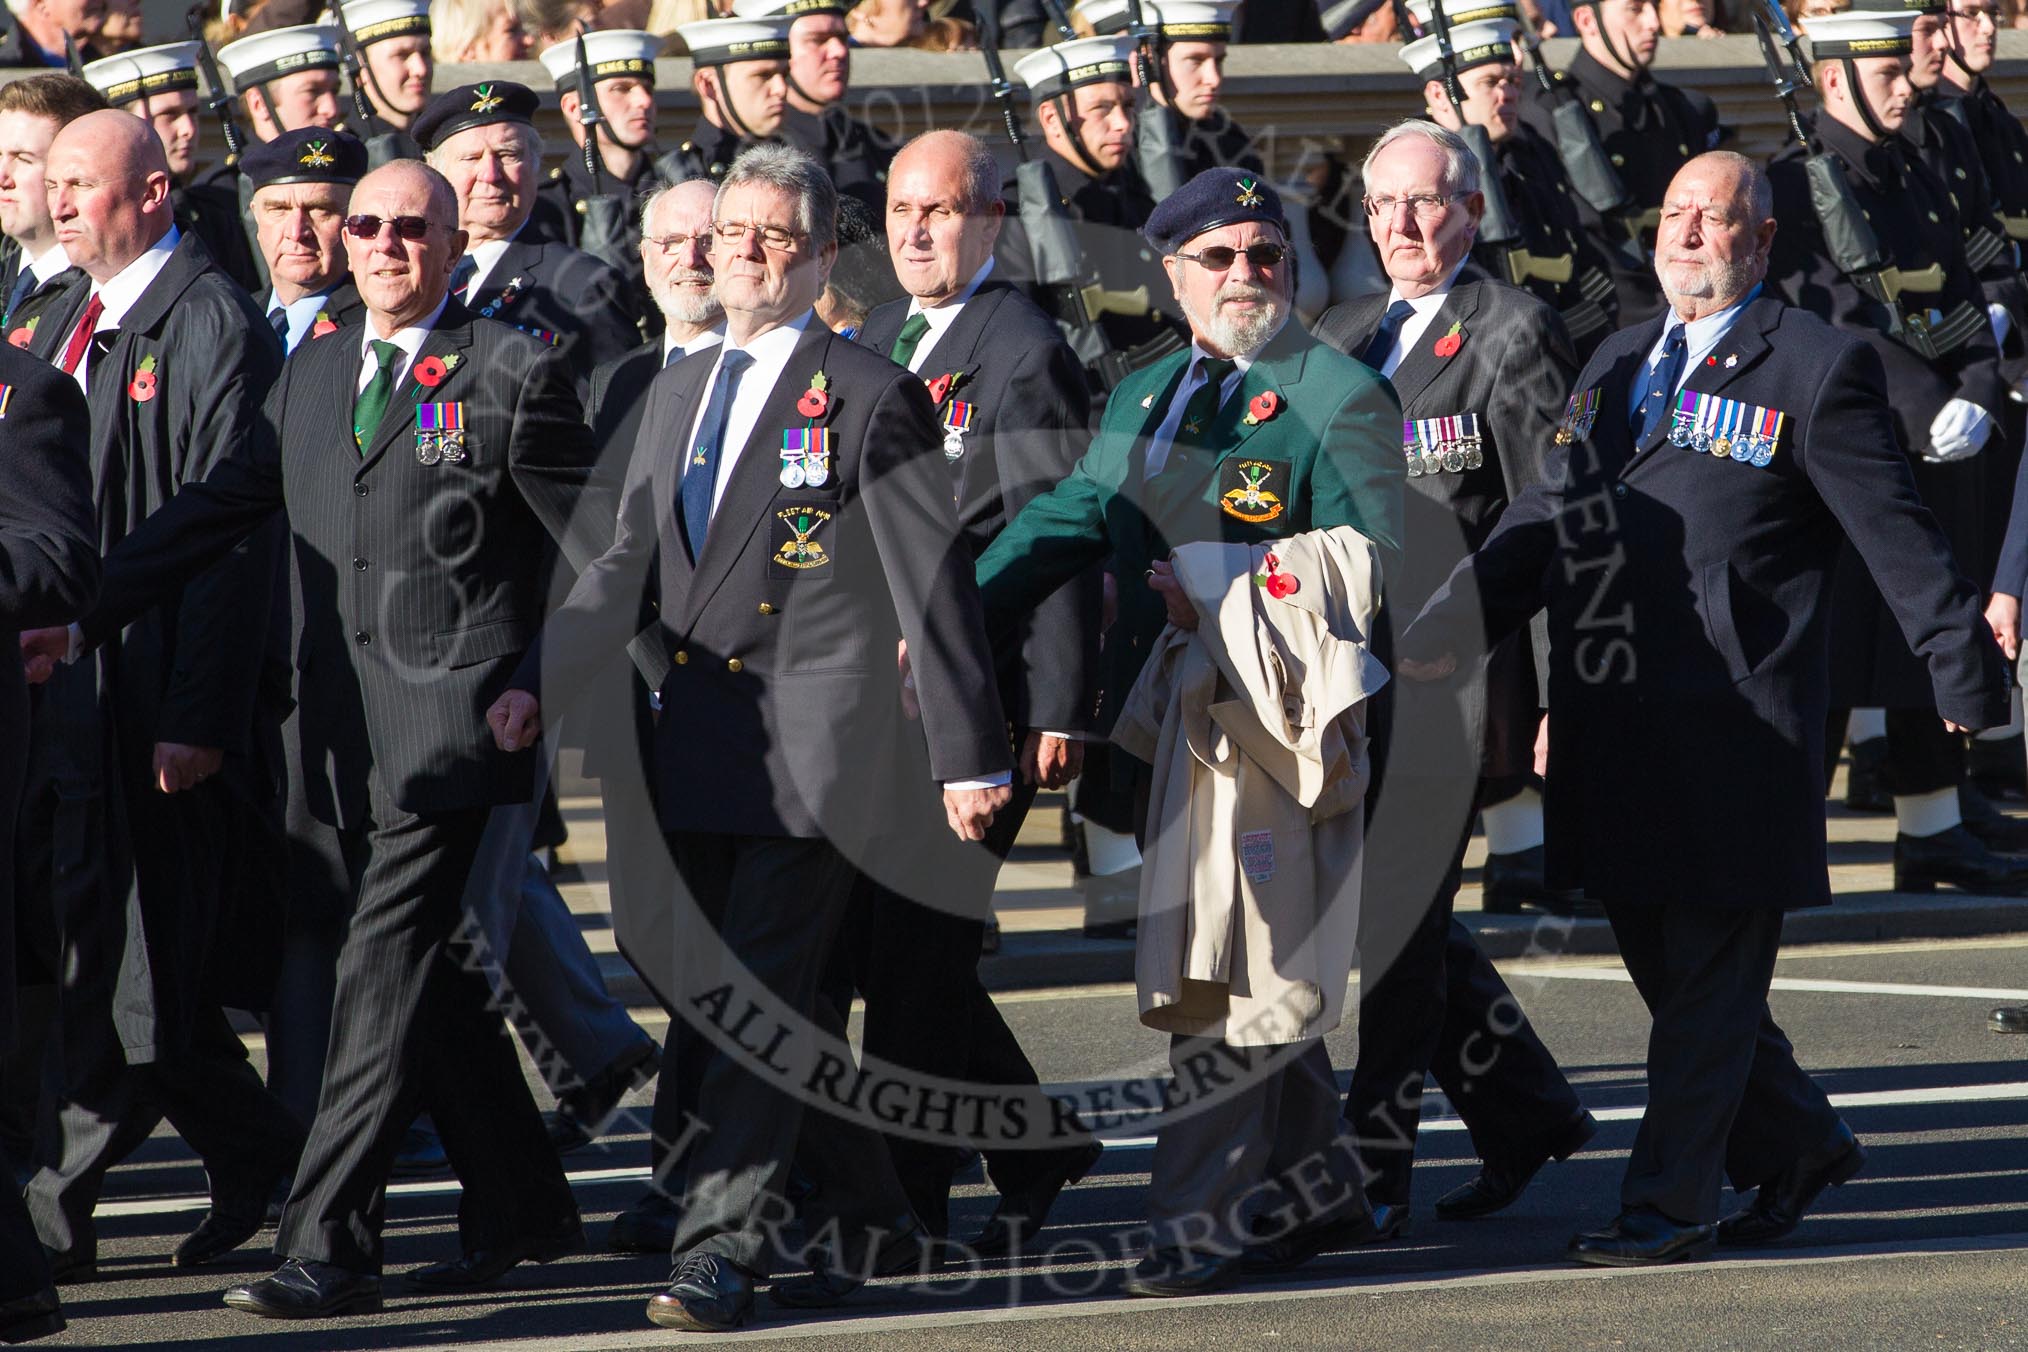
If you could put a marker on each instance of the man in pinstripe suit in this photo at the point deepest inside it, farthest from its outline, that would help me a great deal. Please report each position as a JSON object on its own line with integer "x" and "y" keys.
{"x": 421, "y": 458}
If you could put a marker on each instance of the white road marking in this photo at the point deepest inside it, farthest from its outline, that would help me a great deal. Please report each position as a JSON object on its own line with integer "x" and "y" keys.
{"x": 1792, "y": 983}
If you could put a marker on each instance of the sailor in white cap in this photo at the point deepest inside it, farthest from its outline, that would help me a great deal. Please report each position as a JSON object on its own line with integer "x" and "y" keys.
{"x": 287, "y": 77}
{"x": 159, "y": 85}
{"x": 1189, "y": 38}
{"x": 740, "y": 73}
{"x": 622, "y": 70}
{"x": 820, "y": 72}
{"x": 396, "y": 65}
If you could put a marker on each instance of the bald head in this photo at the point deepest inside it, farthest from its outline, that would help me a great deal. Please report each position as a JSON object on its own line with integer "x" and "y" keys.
{"x": 943, "y": 213}
{"x": 108, "y": 181}
{"x": 1717, "y": 228}
{"x": 410, "y": 177}
{"x": 403, "y": 279}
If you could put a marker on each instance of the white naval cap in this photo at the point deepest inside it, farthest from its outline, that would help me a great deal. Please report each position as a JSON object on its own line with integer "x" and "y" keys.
{"x": 374, "y": 21}
{"x": 1458, "y": 12}
{"x": 1474, "y": 44}
{"x": 1173, "y": 20}
{"x": 277, "y": 52}
{"x": 148, "y": 70}
{"x": 788, "y": 9}
{"x": 723, "y": 42}
{"x": 611, "y": 52}
{"x": 1050, "y": 71}
{"x": 1860, "y": 33}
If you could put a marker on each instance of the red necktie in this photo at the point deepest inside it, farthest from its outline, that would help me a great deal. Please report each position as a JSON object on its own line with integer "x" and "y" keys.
{"x": 87, "y": 324}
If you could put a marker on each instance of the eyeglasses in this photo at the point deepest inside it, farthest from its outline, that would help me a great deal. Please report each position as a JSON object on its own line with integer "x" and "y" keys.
{"x": 368, "y": 227}
{"x": 1220, "y": 257}
{"x": 668, "y": 244}
{"x": 1424, "y": 206}
{"x": 773, "y": 236}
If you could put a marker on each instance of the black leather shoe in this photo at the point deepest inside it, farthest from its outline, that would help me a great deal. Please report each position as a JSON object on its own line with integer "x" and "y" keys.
{"x": 230, "y": 1223}
{"x": 72, "y": 1267}
{"x": 1998, "y": 767}
{"x": 26, "y": 1318}
{"x": 483, "y": 1267}
{"x": 1958, "y": 859}
{"x": 1780, "y": 1203}
{"x": 421, "y": 1153}
{"x": 1181, "y": 1272}
{"x": 1022, "y": 1213}
{"x": 1866, "y": 777}
{"x": 2008, "y": 1019}
{"x": 1642, "y": 1238}
{"x": 648, "y": 1226}
{"x": 301, "y": 1289}
{"x": 1497, "y": 1184}
{"x": 566, "y": 1133}
{"x": 1511, "y": 882}
{"x": 1994, "y": 828}
{"x": 706, "y": 1294}
{"x": 1286, "y": 1252}
{"x": 910, "y": 1250}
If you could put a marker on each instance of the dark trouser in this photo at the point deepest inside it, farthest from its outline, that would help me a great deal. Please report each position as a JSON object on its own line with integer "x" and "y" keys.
{"x": 1923, "y": 755}
{"x": 24, "y": 1268}
{"x": 1431, "y": 1003}
{"x": 927, "y": 1011}
{"x": 775, "y": 904}
{"x": 199, "y": 1078}
{"x": 413, "y": 1029}
{"x": 1725, "y": 1095}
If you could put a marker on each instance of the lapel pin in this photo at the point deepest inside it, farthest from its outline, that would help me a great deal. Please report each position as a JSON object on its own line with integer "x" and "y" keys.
{"x": 1147, "y": 401}
{"x": 1731, "y": 360}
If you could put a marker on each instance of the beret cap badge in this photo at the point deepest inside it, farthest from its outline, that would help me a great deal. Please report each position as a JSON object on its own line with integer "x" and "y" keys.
{"x": 1248, "y": 195}
{"x": 485, "y": 100}
{"x": 317, "y": 155}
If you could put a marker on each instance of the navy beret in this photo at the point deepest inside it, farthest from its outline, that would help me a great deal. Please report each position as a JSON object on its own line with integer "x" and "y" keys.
{"x": 1215, "y": 197}
{"x": 473, "y": 105}
{"x": 305, "y": 155}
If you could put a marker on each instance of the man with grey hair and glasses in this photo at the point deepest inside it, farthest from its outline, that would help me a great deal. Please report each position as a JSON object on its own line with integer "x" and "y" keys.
{"x": 1482, "y": 371}
{"x": 1704, "y": 477}
{"x": 787, "y": 524}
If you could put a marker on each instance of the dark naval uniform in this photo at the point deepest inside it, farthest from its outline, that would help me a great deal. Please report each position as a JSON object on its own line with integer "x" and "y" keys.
{"x": 568, "y": 299}
{"x": 1555, "y": 258}
{"x": 1211, "y": 142}
{"x": 559, "y": 208}
{"x": 1649, "y": 129}
{"x": 856, "y": 155}
{"x": 209, "y": 208}
{"x": 707, "y": 152}
{"x": 1479, "y": 393}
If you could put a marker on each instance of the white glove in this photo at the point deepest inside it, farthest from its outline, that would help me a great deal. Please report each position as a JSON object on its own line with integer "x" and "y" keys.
{"x": 2002, "y": 322}
{"x": 1959, "y": 432}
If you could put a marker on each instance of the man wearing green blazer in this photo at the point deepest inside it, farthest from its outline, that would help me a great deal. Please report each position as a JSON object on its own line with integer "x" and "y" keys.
{"x": 1258, "y": 432}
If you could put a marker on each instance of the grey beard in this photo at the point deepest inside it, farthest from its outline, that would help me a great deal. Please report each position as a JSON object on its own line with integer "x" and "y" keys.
{"x": 685, "y": 307}
{"x": 1238, "y": 336}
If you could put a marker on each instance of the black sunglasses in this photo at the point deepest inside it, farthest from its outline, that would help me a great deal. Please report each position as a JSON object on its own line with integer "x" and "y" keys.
{"x": 1218, "y": 258}
{"x": 368, "y": 227}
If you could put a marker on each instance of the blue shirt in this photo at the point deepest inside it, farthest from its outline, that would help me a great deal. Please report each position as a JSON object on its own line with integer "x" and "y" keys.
{"x": 302, "y": 314}
{"x": 1700, "y": 336}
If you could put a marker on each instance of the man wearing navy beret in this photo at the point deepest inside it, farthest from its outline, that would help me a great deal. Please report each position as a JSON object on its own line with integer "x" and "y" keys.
{"x": 1254, "y": 402}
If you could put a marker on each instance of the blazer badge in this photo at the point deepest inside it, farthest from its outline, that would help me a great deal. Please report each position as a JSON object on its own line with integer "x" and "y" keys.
{"x": 1254, "y": 491}
{"x": 793, "y": 540}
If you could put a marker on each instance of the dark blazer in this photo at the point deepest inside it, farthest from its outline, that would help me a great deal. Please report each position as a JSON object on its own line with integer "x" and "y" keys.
{"x": 568, "y": 299}
{"x": 1031, "y": 414}
{"x": 1687, "y": 599}
{"x": 49, "y": 572}
{"x": 1512, "y": 371}
{"x": 782, "y": 708}
{"x": 422, "y": 584}
{"x": 20, "y": 324}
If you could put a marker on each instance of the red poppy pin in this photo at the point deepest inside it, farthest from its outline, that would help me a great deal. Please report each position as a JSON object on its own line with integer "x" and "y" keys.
{"x": 142, "y": 387}
{"x": 1279, "y": 585}
{"x": 322, "y": 326}
{"x": 430, "y": 372}
{"x": 1262, "y": 407}
{"x": 940, "y": 388}
{"x": 816, "y": 400}
{"x": 21, "y": 336}
{"x": 1448, "y": 345}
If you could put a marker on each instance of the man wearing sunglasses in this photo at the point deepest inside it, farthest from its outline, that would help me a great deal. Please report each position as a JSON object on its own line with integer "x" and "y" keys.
{"x": 425, "y": 460}
{"x": 1256, "y": 433}
{"x": 1481, "y": 371}
{"x": 482, "y": 138}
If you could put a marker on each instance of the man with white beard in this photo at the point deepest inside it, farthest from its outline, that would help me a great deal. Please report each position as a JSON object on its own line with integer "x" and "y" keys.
{"x": 1257, "y": 432}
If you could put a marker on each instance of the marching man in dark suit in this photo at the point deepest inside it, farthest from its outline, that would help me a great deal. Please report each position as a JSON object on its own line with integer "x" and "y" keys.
{"x": 1257, "y": 432}
{"x": 425, "y": 460}
{"x": 1014, "y": 408}
{"x": 49, "y": 570}
{"x": 145, "y": 764}
{"x": 788, "y": 518}
{"x": 1481, "y": 370}
{"x": 1708, "y": 469}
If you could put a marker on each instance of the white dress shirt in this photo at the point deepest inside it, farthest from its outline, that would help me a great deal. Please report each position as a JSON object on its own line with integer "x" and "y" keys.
{"x": 120, "y": 294}
{"x": 1193, "y": 379}
{"x": 941, "y": 317}
{"x": 52, "y": 261}
{"x": 711, "y": 337}
{"x": 485, "y": 256}
{"x": 1425, "y": 308}
{"x": 409, "y": 340}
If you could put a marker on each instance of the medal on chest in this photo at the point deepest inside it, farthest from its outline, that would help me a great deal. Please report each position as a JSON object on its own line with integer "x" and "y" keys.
{"x": 957, "y": 421}
{"x": 1450, "y": 444}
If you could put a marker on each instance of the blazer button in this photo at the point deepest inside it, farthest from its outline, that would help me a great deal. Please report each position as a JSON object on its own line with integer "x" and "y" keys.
{"x": 734, "y": 665}
{"x": 359, "y": 565}
{"x": 766, "y": 609}
{"x": 362, "y": 638}
{"x": 682, "y": 658}
{"x": 1619, "y": 490}
{"x": 359, "y": 490}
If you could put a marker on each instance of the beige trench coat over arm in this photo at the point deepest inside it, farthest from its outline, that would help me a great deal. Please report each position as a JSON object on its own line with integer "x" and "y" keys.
{"x": 1255, "y": 726}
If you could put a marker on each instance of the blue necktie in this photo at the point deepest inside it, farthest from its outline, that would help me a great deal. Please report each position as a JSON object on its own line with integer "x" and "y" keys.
{"x": 23, "y": 284}
{"x": 1390, "y": 329}
{"x": 1662, "y": 382}
{"x": 461, "y": 276}
{"x": 700, "y": 472}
